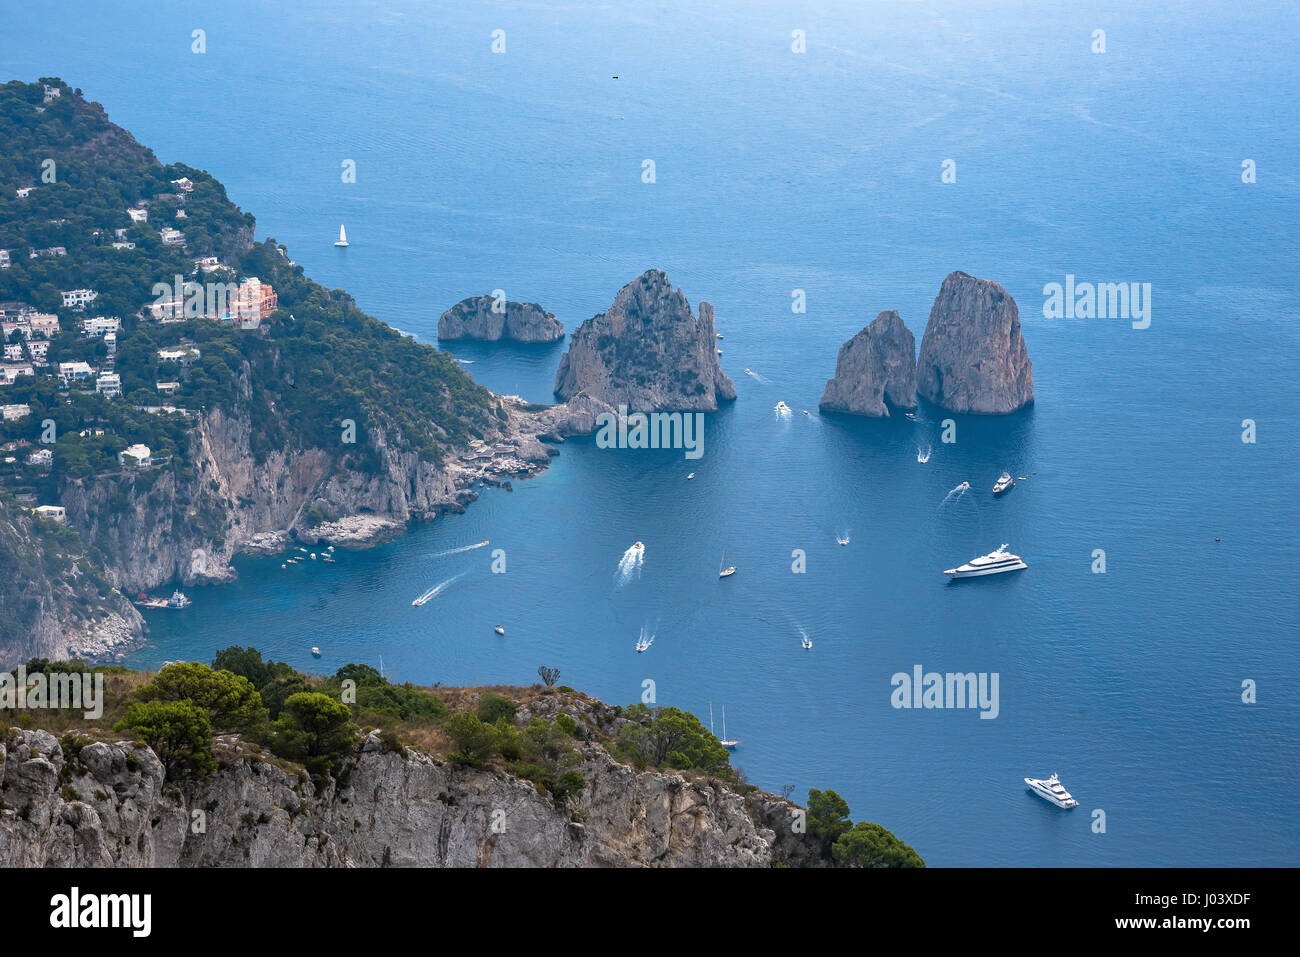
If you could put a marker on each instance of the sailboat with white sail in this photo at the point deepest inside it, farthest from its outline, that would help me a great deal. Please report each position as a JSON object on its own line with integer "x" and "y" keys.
{"x": 343, "y": 236}
{"x": 725, "y": 570}
{"x": 729, "y": 745}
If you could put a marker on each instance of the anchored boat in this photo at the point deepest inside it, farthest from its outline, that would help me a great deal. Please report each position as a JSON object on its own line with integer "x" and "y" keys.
{"x": 993, "y": 563}
{"x": 177, "y": 601}
{"x": 1052, "y": 791}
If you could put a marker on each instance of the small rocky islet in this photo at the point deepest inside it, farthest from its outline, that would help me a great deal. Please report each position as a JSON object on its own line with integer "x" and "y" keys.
{"x": 492, "y": 319}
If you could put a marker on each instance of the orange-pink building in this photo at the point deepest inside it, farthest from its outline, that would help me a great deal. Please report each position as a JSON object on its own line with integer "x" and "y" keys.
{"x": 254, "y": 300}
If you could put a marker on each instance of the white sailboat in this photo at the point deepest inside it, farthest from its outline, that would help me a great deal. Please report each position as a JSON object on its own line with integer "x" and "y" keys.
{"x": 343, "y": 236}
{"x": 728, "y": 570}
{"x": 730, "y": 745}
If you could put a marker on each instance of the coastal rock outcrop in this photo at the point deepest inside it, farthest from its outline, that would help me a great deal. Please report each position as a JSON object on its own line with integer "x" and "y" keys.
{"x": 876, "y": 365}
{"x": 54, "y": 597}
{"x": 172, "y": 529}
{"x": 973, "y": 356}
{"x": 475, "y": 318}
{"x": 107, "y": 805}
{"x": 648, "y": 351}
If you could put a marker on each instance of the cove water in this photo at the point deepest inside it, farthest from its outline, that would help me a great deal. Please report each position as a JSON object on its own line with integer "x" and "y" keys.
{"x": 777, "y": 171}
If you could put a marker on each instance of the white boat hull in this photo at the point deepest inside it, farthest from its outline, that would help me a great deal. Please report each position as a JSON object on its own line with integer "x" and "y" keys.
{"x": 980, "y": 572}
{"x": 1044, "y": 791}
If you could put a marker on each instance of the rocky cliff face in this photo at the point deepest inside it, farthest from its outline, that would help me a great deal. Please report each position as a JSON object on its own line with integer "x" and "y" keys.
{"x": 108, "y": 806}
{"x": 55, "y": 599}
{"x": 878, "y": 363}
{"x": 157, "y": 527}
{"x": 160, "y": 528}
{"x": 648, "y": 352}
{"x": 973, "y": 356}
{"x": 521, "y": 321}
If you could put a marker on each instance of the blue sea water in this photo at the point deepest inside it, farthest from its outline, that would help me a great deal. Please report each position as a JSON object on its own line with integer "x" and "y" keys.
{"x": 819, "y": 171}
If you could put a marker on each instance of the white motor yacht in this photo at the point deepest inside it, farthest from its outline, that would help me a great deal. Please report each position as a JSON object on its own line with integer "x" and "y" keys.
{"x": 993, "y": 563}
{"x": 1052, "y": 790}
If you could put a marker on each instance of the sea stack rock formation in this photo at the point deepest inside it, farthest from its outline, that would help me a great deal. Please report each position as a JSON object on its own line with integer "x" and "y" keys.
{"x": 521, "y": 321}
{"x": 648, "y": 352}
{"x": 973, "y": 356}
{"x": 878, "y": 363}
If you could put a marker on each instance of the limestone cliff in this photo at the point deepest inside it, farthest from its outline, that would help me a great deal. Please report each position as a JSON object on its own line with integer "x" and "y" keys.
{"x": 54, "y": 595}
{"x": 973, "y": 356}
{"x": 108, "y": 805}
{"x": 648, "y": 351}
{"x": 157, "y": 527}
{"x": 877, "y": 364}
{"x": 475, "y": 318}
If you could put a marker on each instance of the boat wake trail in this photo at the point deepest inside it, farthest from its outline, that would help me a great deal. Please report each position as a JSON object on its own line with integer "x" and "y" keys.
{"x": 439, "y": 588}
{"x": 629, "y": 566}
{"x": 761, "y": 380}
{"x": 923, "y": 454}
{"x": 457, "y": 551}
{"x": 954, "y": 498}
{"x": 955, "y": 494}
{"x": 645, "y": 640}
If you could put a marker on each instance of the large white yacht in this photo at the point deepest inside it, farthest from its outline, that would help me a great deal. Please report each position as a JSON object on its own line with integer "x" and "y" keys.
{"x": 991, "y": 564}
{"x": 1052, "y": 790}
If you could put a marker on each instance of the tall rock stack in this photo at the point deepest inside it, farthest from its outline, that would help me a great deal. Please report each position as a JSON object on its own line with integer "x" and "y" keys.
{"x": 648, "y": 351}
{"x": 877, "y": 364}
{"x": 973, "y": 356}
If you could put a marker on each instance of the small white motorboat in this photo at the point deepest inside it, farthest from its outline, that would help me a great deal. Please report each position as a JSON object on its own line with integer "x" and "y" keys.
{"x": 499, "y": 630}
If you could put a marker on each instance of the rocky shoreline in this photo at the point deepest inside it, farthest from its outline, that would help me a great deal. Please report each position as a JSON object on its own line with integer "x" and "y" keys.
{"x": 110, "y": 639}
{"x": 523, "y": 449}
